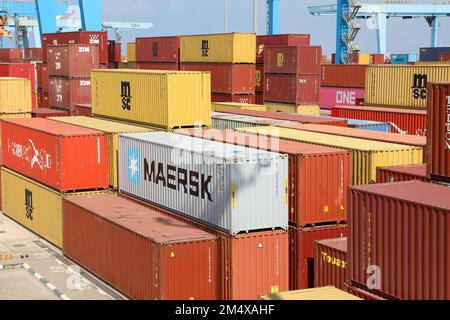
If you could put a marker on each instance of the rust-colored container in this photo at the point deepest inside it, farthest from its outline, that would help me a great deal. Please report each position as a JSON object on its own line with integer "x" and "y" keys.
{"x": 61, "y": 156}
{"x": 259, "y": 79}
{"x": 42, "y": 98}
{"x": 72, "y": 60}
{"x": 301, "y": 257}
{"x": 10, "y": 55}
{"x": 293, "y": 60}
{"x": 259, "y": 98}
{"x": 114, "y": 51}
{"x": 344, "y": 75}
{"x": 33, "y": 54}
{"x": 263, "y": 41}
{"x": 377, "y": 58}
{"x": 444, "y": 56}
{"x": 438, "y": 133}
{"x": 330, "y": 263}
{"x": 47, "y": 112}
{"x": 238, "y": 98}
{"x": 42, "y": 77}
{"x": 295, "y": 89}
{"x": 139, "y": 251}
{"x": 82, "y": 110}
{"x": 157, "y": 65}
{"x": 318, "y": 176}
{"x": 402, "y": 173}
{"x": 158, "y": 49}
{"x": 1, "y": 165}
{"x": 66, "y": 93}
{"x": 19, "y": 70}
{"x": 99, "y": 38}
{"x": 403, "y": 120}
{"x": 400, "y": 231}
{"x": 228, "y": 78}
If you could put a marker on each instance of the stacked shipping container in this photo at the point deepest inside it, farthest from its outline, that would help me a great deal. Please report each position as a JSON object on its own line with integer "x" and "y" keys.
{"x": 158, "y": 53}
{"x": 21, "y": 70}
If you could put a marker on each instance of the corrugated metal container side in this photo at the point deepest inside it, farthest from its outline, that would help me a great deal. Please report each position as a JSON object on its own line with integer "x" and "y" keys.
{"x": 153, "y": 257}
{"x": 413, "y": 122}
{"x": 377, "y": 58}
{"x": 263, "y": 41}
{"x": 223, "y": 185}
{"x": 399, "y": 59}
{"x": 223, "y": 106}
{"x": 166, "y": 99}
{"x": 82, "y": 109}
{"x": 402, "y": 229}
{"x": 12, "y": 116}
{"x": 43, "y": 99}
{"x": 10, "y": 54}
{"x": 157, "y": 66}
{"x": 432, "y": 53}
{"x": 259, "y": 78}
{"x": 345, "y": 76}
{"x": 63, "y": 157}
{"x": 367, "y": 154}
{"x": 305, "y": 109}
{"x": 321, "y": 294}
{"x": 112, "y": 130}
{"x": 402, "y": 173}
{"x": 295, "y": 89}
{"x": 72, "y": 60}
{"x": 330, "y": 263}
{"x": 131, "y": 52}
{"x": 301, "y": 257}
{"x": 15, "y": 95}
{"x": 438, "y": 133}
{"x": 444, "y": 56}
{"x": 47, "y": 112}
{"x": 158, "y": 49}
{"x": 223, "y": 121}
{"x": 42, "y": 76}
{"x": 259, "y": 98}
{"x": 225, "y": 47}
{"x": 293, "y": 60}
{"x": 114, "y": 51}
{"x": 369, "y": 125}
{"x": 335, "y": 96}
{"x": 361, "y": 293}
{"x": 364, "y": 58}
{"x": 65, "y": 93}
{"x": 312, "y": 200}
{"x": 229, "y": 78}
{"x": 407, "y": 84}
{"x": 19, "y": 70}
{"x": 234, "y": 98}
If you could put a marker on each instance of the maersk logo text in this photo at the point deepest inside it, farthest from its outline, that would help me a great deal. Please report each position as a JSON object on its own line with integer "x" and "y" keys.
{"x": 419, "y": 87}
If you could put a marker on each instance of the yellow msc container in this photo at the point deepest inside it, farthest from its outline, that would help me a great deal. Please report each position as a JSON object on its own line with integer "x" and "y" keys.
{"x": 131, "y": 52}
{"x": 367, "y": 154}
{"x": 163, "y": 99}
{"x": 224, "y": 47}
{"x": 364, "y": 58}
{"x": 292, "y": 108}
{"x": 12, "y": 116}
{"x": 224, "y": 106}
{"x": 112, "y": 130}
{"x": 15, "y": 95}
{"x": 402, "y": 85}
{"x": 324, "y": 293}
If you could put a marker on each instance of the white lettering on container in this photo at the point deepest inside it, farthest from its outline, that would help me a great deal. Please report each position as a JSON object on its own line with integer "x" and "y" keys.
{"x": 346, "y": 97}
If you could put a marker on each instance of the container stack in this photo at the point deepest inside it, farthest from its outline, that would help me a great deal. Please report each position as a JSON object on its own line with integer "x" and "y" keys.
{"x": 42, "y": 84}
{"x": 114, "y": 54}
{"x": 15, "y": 99}
{"x": 331, "y": 263}
{"x": 158, "y": 53}
{"x": 25, "y": 70}
{"x": 230, "y": 58}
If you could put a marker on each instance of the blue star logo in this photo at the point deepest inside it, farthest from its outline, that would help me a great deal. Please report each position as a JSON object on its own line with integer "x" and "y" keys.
{"x": 133, "y": 165}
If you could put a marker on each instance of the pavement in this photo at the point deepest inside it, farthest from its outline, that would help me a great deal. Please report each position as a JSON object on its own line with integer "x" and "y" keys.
{"x": 33, "y": 269}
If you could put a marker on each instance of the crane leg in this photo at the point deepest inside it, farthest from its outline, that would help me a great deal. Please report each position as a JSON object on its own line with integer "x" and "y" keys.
{"x": 37, "y": 38}
{"x": 381, "y": 32}
{"x": 91, "y": 15}
{"x": 273, "y": 11}
{"x": 46, "y": 12}
{"x": 434, "y": 32}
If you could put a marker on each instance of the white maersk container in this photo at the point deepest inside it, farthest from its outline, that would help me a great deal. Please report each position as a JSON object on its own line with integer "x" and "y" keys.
{"x": 232, "y": 188}
{"x": 224, "y": 121}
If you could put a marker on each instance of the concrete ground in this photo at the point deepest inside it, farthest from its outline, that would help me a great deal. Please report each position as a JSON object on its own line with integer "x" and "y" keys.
{"x": 33, "y": 269}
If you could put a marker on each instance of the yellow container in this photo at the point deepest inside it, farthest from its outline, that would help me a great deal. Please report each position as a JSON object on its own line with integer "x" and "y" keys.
{"x": 127, "y": 65}
{"x": 432, "y": 63}
{"x": 131, "y": 52}
{"x": 402, "y": 85}
{"x": 292, "y": 108}
{"x": 15, "y": 95}
{"x": 324, "y": 293}
{"x": 224, "y": 106}
{"x": 12, "y": 116}
{"x": 112, "y": 130}
{"x": 364, "y": 58}
{"x": 367, "y": 154}
{"x": 163, "y": 99}
{"x": 225, "y": 47}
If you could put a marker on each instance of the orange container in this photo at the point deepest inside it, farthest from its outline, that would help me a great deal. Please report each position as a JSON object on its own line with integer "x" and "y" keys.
{"x": 402, "y": 173}
{"x": 330, "y": 263}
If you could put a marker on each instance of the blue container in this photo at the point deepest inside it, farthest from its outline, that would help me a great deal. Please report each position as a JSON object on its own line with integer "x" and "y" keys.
{"x": 432, "y": 54}
{"x": 369, "y": 125}
{"x": 412, "y": 57}
{"x": 399, "y": 59}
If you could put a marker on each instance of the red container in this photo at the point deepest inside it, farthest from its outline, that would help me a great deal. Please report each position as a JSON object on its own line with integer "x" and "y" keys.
{"x": 42, "y": 76}
{"x": 402, "y": 173}
{"x": 61, "y": 156}
{"x": 279, "y": 40}
{"x": 294, "y": 89}
{"x": 112, "y": 65}
{"x": 72, "y": 60}
{"x": 99, "y": 38}
{"x": 66, "y": 93}
{"x": 157, "y": 66}
{"x": 259, "y": 78}
{"x": 34, "y": 100}
{"x": 238, "y": 98}
{"x": 344, "y": 75}
{"x": 33, "y": 54}
{"x": 158, "y": 49}
{"x": 438, "y": 133}
{"x": 259, "y": 98}
{"x": 293, "y": 60}
{"x": 114, "y": 51}
{"x": 19, "y": 70}
{"x": 314, "y": 200}
{"x": 330, "y": 263}
{"x": 227, "y": 78}
{"x": 1, "y": 165}
{"x": 400, "y": 231}
{"x": 139, "y": 251}
{"x": 301, "y": 246}
{"x": 377, "y": 58}
{"x": 83, "y": 110}
{"x": 10, "y": 55}
{"x": 47, "y": 112}
{"x": 42, "y": 98}
{"x": 406, "y": 121}
{"x": 445, "y": 56}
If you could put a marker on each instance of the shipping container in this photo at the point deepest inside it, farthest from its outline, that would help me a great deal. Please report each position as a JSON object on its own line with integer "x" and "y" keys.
{"x": 367, "y": 154}
{"x": 223, "y": 106}
{"x": 131, "y": 52}
{"x": 304, "y": 109}
{"x": 369, "y": 125}
{"x": 301, "y": 256}
{"x": 139, "y": 251}
{"x": 158, "y": 49}
{"x": 157, "y": 66}
{"x": 165, "y": 99}
{"x": 311, "y": 200}
{"x": 82, "y": 109}
{"x": 224, "y": 47}
{"x": 19, "y": 70}
{"x": 344, "y": 75}
{"x": 336, "y": 96}
{"x": 377, "y": 58}
{"x": 47, "y": 112}
{"x": 127, "y": 65}
{"x": 227, "y": 121}
{"x": 399, "y": 231}
{"x": 1, "y": 166}
{"x": 295, "y": 89}
{"x": 42, "y": 77}
{"x": 43, "y": 101}
{"x": 10, "y": 55}
{"x": 114, "y": 51}
{"x": 400, "y": 58}
{"x": 229, "y": 78}
{"x": 403, "y": 121}
{"x": 445, "y": 56}
{"x": 99, "y": 38}
{"x": 66, "y": 93}
{"x": 438, "y": 133}
{"x": 322, "y": 294}
{"x": 259, "y": 78}
{"x": 263, "y": 41}
{"x": 293, "y": 60}
{"x": 361, "y": 293}
{"x": 63, "y": 157}
{"x": 15, "y": 95}
{"x": 234, "y": 98}
{"x": 330, "y": 262}
{"x": 402, "y": 173}
{"x": 112, "y": 131}
{"x": 432, "y": 53}
{"x": 72, "y": 60}
{"x": 407, "y": 84}
{"x": 259, "y": 98}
